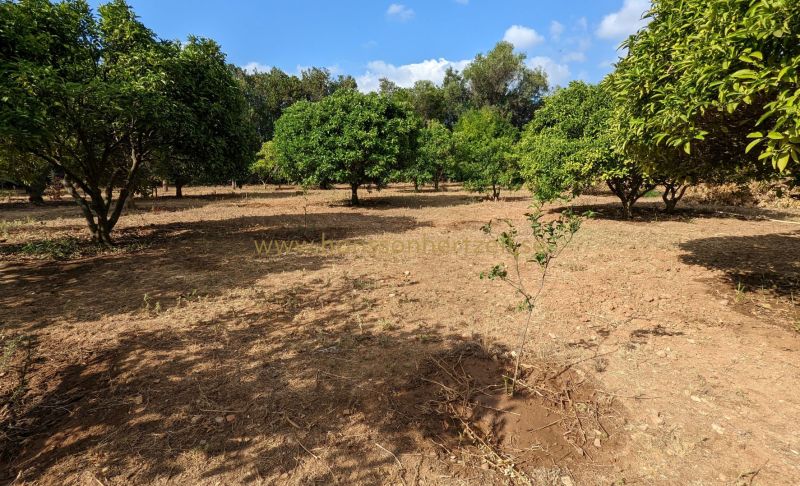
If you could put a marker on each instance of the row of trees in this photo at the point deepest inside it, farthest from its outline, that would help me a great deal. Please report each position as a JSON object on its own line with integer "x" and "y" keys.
{"x": 99, "y": 100}
{"x": 707, "y": 92}
{"x": 464, "y": 129}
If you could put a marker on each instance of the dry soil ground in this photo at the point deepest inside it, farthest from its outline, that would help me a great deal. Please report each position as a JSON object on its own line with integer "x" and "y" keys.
{"x": 665, "y": 351}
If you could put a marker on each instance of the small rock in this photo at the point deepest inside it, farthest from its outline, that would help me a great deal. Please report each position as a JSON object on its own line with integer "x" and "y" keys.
{"x": 597, "y": 443}
{"x": 485, "y": 466}
{"x": 391, "y": 295}
{"x": 219, "y": 420}
{"x": 552, "y": 336}
{"x": 661, "y": 353}
{"x": 718, "y": 429}
{"x": 567, "y": 481}
{"x": 230, "y": 417}
{"x": 138, "y": 399}
{"x": 695, "y": 398}
{"x": 406, "y": 273}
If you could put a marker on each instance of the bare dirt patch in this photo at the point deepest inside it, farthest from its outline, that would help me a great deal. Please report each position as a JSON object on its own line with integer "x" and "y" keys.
{"x": 187, "y": 357}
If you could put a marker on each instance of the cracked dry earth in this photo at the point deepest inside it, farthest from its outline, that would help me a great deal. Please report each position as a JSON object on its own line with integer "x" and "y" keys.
{"x": 185, "y": 357}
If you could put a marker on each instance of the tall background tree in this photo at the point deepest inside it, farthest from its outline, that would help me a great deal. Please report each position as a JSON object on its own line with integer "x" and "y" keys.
{"x": 502, "y": 80}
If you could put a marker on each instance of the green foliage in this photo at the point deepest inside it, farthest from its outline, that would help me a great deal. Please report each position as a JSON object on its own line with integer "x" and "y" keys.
{"x": 435, "y": 155}
{"x": 102, "y": 101}
{"x": 25, "y": 170}
{"x": 347, "y": 137}
{"x": 501, "y": 79}
{"x": 570, "y": 145}
{"x": 715, "y": 80}
{"x": 216, "y": 140}
{"x": 267, "y": 167}
{"x": 484, "y": 141}
{"x": 548, "y": 240}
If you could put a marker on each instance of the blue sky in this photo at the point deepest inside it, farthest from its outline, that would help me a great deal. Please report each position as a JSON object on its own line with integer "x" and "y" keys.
{"x": 404, "y": 40}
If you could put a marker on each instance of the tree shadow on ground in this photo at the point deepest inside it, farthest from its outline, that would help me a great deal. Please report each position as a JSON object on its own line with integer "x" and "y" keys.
{"x": 380, "y": 200}
{"x": 178, "y": 259}
{"x": 253, "y": 396}
{"x": 66, "y": 208}
{"x": 653, "y": 211}
{"x": 766, "y": 262}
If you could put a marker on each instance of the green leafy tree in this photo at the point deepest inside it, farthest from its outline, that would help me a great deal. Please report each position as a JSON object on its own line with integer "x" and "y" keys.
{"x": 268, "y": 94}
{"x": 348, "y": 137}
{"x": 27, "y": 171}
{"x": 455, "y": 97}
{"x": 716, "y": 80}
{"x": 85, "y": 94}
{"x": 267, "y": 166}
{"x": 570, "y": 145}
{"x": 484, "y": 143}
{"x": 428, "y": 100}
{"x": 216, "y": 140}
{"x": 501, "y": 79}
{"x": 435, "y": 155}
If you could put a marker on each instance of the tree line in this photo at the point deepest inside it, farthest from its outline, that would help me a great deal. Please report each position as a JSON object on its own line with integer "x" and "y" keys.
{"x": 707, "y": 92}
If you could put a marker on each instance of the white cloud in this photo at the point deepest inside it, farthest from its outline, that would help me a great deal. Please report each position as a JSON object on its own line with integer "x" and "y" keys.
{"x": 575, "y": 56}
{"x": 400, "y": 12}
{"x": 522, "y": 37}
{"x": 256, "y": 67}
{"x": 407, "y": 74}
{"x": 557, "y": 74}
{"x": 556, "y": 29}
{"x": 624, "y": 22}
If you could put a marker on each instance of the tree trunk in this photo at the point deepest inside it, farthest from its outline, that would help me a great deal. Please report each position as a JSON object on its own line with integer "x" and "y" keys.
{"x": 629, "y": 189}
{"x": 673, "y": 192}
{"x": 495, "y": 192}
{"x": 165, "y": 185}
{"x": 354, "y": 194}
{"x": 35, "y": 194}
{"x": 416, "y": 186}
{"x": 178, "y": 190}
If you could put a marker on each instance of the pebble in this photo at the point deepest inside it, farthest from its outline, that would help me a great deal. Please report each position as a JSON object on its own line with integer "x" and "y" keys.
{"x": 718, "y": 428}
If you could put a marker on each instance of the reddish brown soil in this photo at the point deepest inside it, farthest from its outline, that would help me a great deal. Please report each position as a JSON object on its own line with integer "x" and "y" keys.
{"x": 185, "y": 357}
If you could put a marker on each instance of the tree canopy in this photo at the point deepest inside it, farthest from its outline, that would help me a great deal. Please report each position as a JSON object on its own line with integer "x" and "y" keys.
{"x": 501, "y": 79}
{"x": 347, "y": 137}
{"x": 484, "y": 142}
{"x": 99, "y": 98}
{"x": 570, "y": 146}
{"x": 715, "y": 80}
